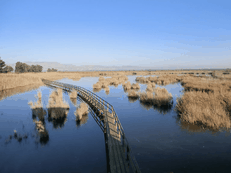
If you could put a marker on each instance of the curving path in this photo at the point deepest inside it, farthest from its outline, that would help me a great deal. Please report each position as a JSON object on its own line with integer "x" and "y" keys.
{"x": 119, "y": 155}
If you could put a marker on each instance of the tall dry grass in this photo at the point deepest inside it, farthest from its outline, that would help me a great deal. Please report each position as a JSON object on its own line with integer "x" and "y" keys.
{"x": 82, "y": 110}
{"x": 37, "y": 104}
{"x": 208, "y": 109}
{"x": 135, "y": 86}
{"x": 133, "y": 94}
{"x": 73, "y": 94}
{"x": 56, "y": 100}
{"x": 127, "y": 85}
{"x": 162, "y": 97}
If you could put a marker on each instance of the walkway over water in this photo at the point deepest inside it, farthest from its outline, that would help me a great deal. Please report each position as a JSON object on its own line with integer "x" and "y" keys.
{"x": 119, "y": 155}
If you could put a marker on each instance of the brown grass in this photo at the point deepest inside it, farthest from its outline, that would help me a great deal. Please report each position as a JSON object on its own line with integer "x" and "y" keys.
{"x": 127, "y": 86}
{"x": 141, "y": 80}
{"x": 82, "y": 110}
{"x": 208, "y": 109}
{"x": 37, "y": 104}
{"x": 56, "y": 100}
{"x": 204, "y": 84}
{"x": 149, "y": 88}
{"x": 135, "y": 86}
{"x": 133, "y": 94}
{"x": 162, "y": 97}
{"x": 73, "y": 94}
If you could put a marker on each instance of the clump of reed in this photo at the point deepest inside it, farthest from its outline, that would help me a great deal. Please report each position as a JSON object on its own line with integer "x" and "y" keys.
{"x": 127, "y": 85}
{"x": 208, "y": 109}
{"x": 152, "y": 79}
{"x": 162, "y": 97}
{"x": 141, "y": 79}
{"x": 82, "y": 110}
{"x": 107, "y": 90}
{"x": 97, "y": 85}
{"x": 56, "y": 100}
{"x": 146, "y": 97}
{"x": 37, "y": 104}
{"x": 73, "y": 94}
{"x": 150, "y": 86}
{"x": 133, "y": 94}
{"x": 135, "y": 86}
{"x": 166, "y": 79}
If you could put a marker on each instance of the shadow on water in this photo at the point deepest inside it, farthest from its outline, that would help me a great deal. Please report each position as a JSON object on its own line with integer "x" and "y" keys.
{"x": 162, "y": 109}
{"x": 58, "y": 116}
{"x": 38, "y": 116}
{"x": 82, "y": 121}
{"x": 132, "y": 99}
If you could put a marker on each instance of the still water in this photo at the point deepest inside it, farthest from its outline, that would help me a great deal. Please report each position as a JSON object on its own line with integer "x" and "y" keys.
{"x": 159, "y": 140}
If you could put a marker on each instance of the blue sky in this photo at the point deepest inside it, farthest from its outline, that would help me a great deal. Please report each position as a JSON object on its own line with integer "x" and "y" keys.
{"x": 161, "y": 34}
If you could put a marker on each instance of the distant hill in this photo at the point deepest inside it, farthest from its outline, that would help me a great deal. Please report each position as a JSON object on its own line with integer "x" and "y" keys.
{"x": 70, "y": 67}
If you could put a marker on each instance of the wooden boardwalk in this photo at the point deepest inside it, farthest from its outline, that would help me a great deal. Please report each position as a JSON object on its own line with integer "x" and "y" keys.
{"x": 119, "y": 155}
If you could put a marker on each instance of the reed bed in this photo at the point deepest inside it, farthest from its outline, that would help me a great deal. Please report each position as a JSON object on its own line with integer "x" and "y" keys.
{"x": 203, "y": 84}
{"x": 82, "y": 110}
{"x": 10, "y": 81}
{"x": 208, "y": 109}
{"x": 106, "y": 82}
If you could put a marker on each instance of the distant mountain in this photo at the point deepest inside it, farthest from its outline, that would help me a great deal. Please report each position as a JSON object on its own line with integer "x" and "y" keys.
{"x": 70, "y": 67}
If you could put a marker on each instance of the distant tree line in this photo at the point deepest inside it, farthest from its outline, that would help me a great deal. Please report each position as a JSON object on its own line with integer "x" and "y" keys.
{"x": 5, "y": 68}
{"x": 51, "y": 70}
{"x": 23, "y": 67}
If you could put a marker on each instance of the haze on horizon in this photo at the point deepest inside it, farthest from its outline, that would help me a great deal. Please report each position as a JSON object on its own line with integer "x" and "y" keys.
{"x": 161, "y": 34}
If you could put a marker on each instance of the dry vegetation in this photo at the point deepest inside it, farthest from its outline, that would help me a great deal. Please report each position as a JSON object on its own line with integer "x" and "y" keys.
{"x": 73, "y": 94}
{"x": 133, "y": 94}
{"x": 56, "y": 100}
{"x": 37, "y": 104}
{"x": 210, "y": 109}
{"x": 82, "y": 110}
{"x": 162, "y": 97}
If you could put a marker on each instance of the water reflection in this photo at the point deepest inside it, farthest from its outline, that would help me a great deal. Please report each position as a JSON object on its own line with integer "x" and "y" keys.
{"x": 38, "y": 113}
{"x": 58, "y": 116}
{"x": 74, "y": 101}
{"x": 132, "y": 99}
{"x": 82, "y": 121}
{"x": 10, "y": 92}
{"x": 163, "y": 109}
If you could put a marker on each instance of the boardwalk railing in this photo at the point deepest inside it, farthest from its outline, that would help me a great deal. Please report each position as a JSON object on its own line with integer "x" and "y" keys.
{"x": 110, "y": 119}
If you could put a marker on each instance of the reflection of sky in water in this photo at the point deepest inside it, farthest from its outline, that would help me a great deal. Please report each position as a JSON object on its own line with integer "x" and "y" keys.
{"x": 69, "y": 148}
{"x": 158, "y": 141}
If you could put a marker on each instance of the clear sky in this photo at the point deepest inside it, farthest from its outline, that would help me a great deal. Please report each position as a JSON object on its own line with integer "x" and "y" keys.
{"x": 162, "y": 34}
